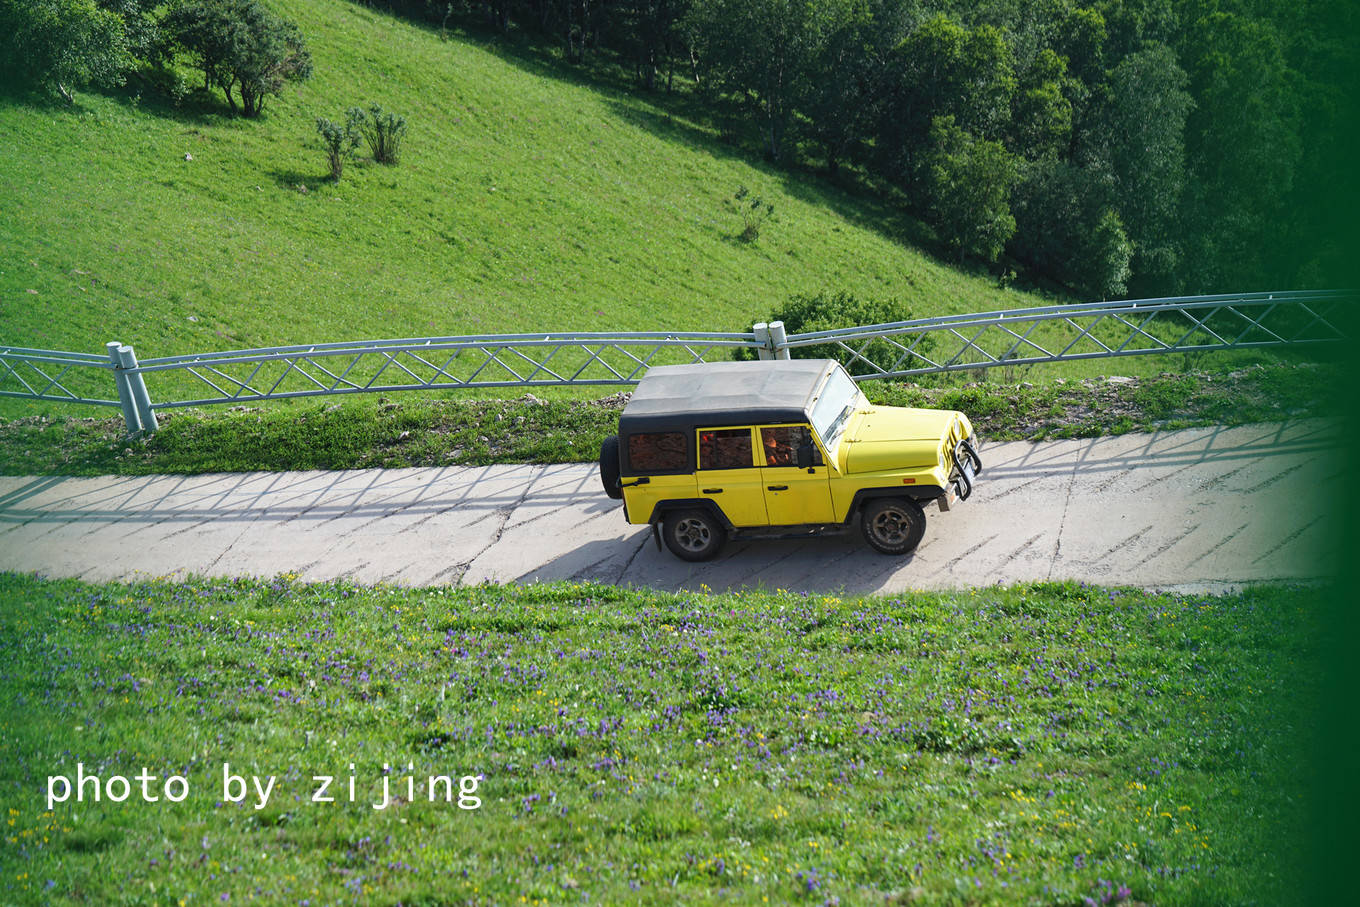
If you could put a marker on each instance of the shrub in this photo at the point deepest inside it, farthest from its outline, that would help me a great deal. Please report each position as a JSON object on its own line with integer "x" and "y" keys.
{"x": 382, "y": 131}
{"x": 753, "y": 210}
{"x": 340, "y": 142}
{"x": 804, "y": 314}
{"x": 64, "y": 44}
{"x": 241, "y": 45}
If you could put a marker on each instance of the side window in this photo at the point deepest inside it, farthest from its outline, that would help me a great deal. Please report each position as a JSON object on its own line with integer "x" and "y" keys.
{"x": 781, "y": 443}
{"x": 662, "y": 451}
{"x": 725, "y": 448}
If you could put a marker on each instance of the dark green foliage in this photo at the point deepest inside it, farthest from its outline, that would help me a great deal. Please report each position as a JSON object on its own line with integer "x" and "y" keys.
{"x": 968, "y": 181}
{"x": 1107, "y": 259}
{"x": 1242, "y": 142}
{"x": 382, "y": 130}
{"x": 339, "y": 141}
{"x": 62, "y": 44}
{"x": 942, "y": 69}
{"x": 1138, "y": 129}
{"x": 1067, "y": 225}
{"x": 240, "y": 46}
{"x": 1041, "y": 111}
{"x": 805, "y": 314}
{"x": 648, "y": 34}
{"x": 764, "y": 51}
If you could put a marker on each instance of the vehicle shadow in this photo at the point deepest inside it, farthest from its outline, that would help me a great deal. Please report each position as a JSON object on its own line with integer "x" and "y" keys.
{"x": 839, "y": 565}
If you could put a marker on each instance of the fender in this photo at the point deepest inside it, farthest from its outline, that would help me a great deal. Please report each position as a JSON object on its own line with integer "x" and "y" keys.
{"x": 663, "y": 507}
{"x": 918, "y": 493}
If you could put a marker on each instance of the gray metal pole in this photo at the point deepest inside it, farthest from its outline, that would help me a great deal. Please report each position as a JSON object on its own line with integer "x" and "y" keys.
{"x": 120, "y": 380}
{"x": 139, "y": 395}
{"x": 779, "y": 340}
{"x": 762, "y": 332}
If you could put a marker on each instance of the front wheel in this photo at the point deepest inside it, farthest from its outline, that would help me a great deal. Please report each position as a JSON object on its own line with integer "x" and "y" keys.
{"x": 693, "y": 535}
{"x": 892, "y": 525}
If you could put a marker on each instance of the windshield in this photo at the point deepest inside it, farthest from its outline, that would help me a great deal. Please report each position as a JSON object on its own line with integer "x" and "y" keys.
{"x": 832, "y": 406}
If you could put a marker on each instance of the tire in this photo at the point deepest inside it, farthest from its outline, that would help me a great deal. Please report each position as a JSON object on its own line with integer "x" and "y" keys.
{"x": 609, "y": 467}
{"x": 892, "y": 525}
{"x": 693, "y": 535}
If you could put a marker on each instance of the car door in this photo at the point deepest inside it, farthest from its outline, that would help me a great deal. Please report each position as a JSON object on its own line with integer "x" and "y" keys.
{"x": 793, "y": 496}
{"x": 658, "y": 466}
{"x": 728, "y": 474}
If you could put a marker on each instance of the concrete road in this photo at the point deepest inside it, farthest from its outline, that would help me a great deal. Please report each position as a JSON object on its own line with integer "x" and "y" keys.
{"x": 1195, "y": 509}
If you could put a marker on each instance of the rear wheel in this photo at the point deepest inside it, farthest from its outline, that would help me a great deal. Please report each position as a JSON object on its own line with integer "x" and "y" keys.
{"x": 892, "y": 525}
{"x": 693, "y": 535}
{"x": 609, "y": 467}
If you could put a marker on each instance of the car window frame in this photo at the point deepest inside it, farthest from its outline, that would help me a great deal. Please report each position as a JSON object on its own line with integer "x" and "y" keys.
{"x": 698, "y": 447}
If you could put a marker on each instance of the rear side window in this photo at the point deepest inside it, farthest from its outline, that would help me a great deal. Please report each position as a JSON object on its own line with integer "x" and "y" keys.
{"x": 725, "y": 448}
{"x": 661, "y": 451}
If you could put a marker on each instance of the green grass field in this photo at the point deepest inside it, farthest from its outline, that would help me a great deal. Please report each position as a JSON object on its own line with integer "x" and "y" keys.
{"x": 526, "y": 198}
{"x": 1040, "y": 744}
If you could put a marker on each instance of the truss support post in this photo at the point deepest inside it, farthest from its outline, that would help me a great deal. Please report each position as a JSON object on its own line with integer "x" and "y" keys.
{"x": 145, "y": 414}
{"x": 779, "y": 340}
{"x": 762, "y": 332}
{"x": 120, "y": 379}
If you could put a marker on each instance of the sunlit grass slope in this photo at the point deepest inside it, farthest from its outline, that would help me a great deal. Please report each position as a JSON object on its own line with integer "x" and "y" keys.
{"x": 526, "y": 199}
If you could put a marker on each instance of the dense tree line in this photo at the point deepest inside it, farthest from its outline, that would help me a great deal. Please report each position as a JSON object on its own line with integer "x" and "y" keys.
{"x": 1117, "y": 147}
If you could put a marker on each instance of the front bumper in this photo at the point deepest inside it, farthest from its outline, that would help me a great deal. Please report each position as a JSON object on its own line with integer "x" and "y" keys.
{"x": 967, "y": 467}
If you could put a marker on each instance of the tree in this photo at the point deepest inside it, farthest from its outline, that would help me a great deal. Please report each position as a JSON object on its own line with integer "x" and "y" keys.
{"x": 1067, "y": 227}
{"x": 1041, "y": 114}
{"x": 65, "y": 44}
{"x": 762, "y": 50}
{"x": 649, "y": 33}
{"x": 1105, "y": 264}
{"x": 968, "y": 181}
{"x": 943, "y": 70}
{"x": 242, "y": 46}
{"x": 1243, "y": 148}
{"x": 1139, "y": 128}
{"x": 849, "y": 68}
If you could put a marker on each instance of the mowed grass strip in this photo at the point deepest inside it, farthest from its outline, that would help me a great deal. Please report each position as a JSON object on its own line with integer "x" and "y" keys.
{"x": 1040, "y": 744}
{"x": 408, "y": 430}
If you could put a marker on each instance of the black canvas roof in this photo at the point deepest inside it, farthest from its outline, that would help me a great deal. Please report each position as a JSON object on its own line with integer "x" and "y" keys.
{"x": 684, "y": 397}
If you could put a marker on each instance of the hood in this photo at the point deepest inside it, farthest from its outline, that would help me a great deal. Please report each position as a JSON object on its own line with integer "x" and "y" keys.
{"x": 891, "y": 437}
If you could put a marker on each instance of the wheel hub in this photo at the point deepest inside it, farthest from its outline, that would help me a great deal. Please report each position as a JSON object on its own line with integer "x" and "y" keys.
{"x": 891, "y": 526}
{"x": 692, "y": 534}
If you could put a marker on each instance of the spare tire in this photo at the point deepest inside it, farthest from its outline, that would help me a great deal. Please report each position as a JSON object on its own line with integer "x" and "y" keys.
{"x": 609, "y": 467}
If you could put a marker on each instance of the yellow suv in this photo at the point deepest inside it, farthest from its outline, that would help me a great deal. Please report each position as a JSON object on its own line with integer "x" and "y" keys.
{"x": 780, "y": 448}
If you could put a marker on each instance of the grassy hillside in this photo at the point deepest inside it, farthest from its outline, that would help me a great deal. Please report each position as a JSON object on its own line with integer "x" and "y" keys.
{"x": 524, "y": 199}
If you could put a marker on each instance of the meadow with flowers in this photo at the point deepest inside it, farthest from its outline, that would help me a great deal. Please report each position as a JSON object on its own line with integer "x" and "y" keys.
{"x": 1048, "y": 744}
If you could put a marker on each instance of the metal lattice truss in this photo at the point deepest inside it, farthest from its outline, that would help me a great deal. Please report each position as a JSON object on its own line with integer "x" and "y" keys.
{"x": 1083, "y": 331}
{"x": 1013, "y": 337}
{"x": 448, "y": 363}
{"x": 55, "y": 375}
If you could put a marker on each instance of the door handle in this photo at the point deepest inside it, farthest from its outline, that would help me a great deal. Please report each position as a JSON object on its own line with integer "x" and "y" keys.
{"x": 712, "y": 491}
{"x": 777, "y": 487}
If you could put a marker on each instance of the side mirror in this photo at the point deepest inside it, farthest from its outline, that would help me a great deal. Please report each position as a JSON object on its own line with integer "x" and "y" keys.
{"x": 805, "y": 455}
